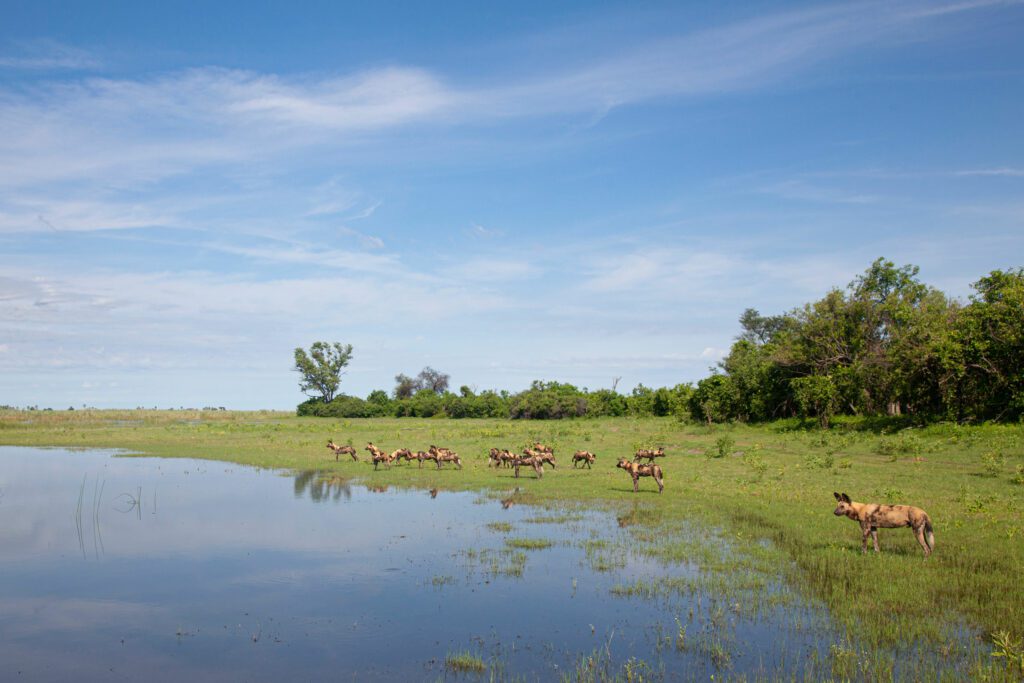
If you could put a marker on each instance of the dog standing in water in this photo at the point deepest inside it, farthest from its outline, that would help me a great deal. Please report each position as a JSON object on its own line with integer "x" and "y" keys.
{"x": 872, "y": 516}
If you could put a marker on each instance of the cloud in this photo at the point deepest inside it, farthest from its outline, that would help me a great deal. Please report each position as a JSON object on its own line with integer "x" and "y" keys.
{"x": 803, "y": 191}
{"x": 997, "y": 172}
{"x": 137, "y": 131}
{"x": 48, "y": 55}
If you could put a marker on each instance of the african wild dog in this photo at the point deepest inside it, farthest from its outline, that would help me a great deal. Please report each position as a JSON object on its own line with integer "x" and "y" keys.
{"x": 538, "y": 446}
{"x": 381, "y": 457}
{"x": 545, "y": 456}
{"x": 493, "y": 457}
{"x": 338, "y": 450}
{"x": 649, "y": 453}
{"x": 377, "y": 456}
{"x": 586, "y": 457}
{"x": 534, "y": 461}
{"x": 872, "y": 516}
{"x": 636, "y": 470}
{"x": 506, "y": 457}
{"x": 423, "y": 455}
{"x": 403, "y": 453}
{"x": 444, "y": 455}
{"x": 500, "y": 457}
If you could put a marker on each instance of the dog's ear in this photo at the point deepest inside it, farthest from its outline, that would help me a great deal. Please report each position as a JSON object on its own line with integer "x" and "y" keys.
{"x": 838, "y": 497}
{"x": 846, "y": 499}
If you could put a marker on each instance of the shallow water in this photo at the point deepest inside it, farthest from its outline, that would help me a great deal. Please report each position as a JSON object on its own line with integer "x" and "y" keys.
{"x": 161, "y": 569}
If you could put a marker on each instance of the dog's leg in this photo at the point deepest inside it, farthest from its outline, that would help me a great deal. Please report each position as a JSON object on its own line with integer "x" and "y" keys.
{"x": 865, "y": 531}
{"x": 874, "y": 537}
{"x": 919, "y": 534}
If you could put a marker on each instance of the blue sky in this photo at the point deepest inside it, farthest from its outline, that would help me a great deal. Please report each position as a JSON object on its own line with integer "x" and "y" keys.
{"x": 560, "y": 191}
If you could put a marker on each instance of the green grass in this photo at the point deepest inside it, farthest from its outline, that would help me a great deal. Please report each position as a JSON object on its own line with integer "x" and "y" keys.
{"x": 528, "y": 543}
{"x": 764, "y": 508}
{"x": 464, "y": 662}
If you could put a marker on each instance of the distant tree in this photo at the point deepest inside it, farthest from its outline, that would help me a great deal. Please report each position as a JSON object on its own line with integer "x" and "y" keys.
{"x": 321, "y": 368}
{"x": 405, "y": 386}
{"x": 431, "y": 379}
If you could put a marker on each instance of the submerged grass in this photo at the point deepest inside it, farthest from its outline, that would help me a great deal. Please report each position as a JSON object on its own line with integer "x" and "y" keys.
{"x": 464, "y": 662}
{"x": 529, "y": 543}
{"x": 762, "y": 506}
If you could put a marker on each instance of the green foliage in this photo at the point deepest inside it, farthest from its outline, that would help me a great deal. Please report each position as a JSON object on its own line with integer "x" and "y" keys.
{"x": 1010, "y": 650}
{"x": 715, "y": 399}
{"x": 320, "y": 368}
{"x": 888, "y": 344}
{"x": 723, "y": 447}
{"x": 340, "y": 406}
{"x": 992, "y": 462}
{"x": 816, "y": 395}
{"x": 753, "y": 458}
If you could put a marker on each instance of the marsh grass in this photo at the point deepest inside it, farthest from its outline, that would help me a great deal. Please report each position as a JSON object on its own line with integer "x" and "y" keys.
{"x": 720, "y": 514}
{"x": 464, "y": 662}
{"x": 529, "y": 543}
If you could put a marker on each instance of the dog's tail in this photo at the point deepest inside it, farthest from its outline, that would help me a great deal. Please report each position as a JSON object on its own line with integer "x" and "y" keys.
{"x": 929, "y": 535}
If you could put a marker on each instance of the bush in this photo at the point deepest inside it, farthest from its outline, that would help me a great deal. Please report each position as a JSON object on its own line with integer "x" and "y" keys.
{"x": 341, "y": 406}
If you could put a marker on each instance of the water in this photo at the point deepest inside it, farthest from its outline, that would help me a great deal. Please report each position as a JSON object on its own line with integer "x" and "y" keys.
{"x": 159, "y": 569}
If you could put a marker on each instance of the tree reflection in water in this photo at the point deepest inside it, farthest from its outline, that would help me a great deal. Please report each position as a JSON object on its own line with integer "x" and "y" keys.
{"x": 321, "y": 486}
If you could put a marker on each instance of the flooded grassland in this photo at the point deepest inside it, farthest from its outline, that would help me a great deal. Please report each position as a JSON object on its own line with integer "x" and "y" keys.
{"x": 114, "y": 567}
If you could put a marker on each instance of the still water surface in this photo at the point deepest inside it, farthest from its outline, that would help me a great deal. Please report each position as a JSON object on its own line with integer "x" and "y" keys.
{"x": 166, "y": 570}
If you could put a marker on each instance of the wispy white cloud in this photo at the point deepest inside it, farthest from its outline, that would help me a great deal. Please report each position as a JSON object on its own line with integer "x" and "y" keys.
{"x": 47, "y": 55}
{"x": 997, "y": 172}
{"x": 137, "y": 131}
{"x": 803, "y": 191}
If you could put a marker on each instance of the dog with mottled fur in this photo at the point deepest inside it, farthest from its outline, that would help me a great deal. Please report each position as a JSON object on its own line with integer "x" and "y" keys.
{"x": 872, "y": 517}
{"x": 339, "y": 450}
{"x": 585, "y": 457}
{"x": 636, "y": 470}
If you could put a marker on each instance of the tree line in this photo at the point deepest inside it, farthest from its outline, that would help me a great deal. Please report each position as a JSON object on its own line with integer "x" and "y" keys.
{"x": 887, "y": 344}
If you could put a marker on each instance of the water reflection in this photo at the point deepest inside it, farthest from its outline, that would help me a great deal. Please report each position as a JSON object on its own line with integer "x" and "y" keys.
{"x": 321, "y": 486}
{"x": 236, "y": 576}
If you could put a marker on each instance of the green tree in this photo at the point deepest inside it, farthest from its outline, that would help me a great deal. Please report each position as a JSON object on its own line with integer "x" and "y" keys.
{"x": 990, "y": 332}
{"x": 321, "y": 367}
{"x": 816, "y": 395}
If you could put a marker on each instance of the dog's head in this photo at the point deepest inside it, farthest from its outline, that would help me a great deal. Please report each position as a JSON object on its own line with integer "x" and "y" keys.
{"x": 843, "y": 504}
{"x": 624, "y": 464}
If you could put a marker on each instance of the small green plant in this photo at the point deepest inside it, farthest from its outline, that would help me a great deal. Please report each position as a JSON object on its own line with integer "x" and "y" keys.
{"x": 754, "y": 460}
{"x": 1018, "y": 477}
{"x": 723, "y": 447}
{"x": 844, "y": 662}
{"x": 824, "y": 461}
{"x": 1010, "y": 649}
{"x": 680, "y": 635}
{"x": 892, "y": 494}
{"x": 992, "y": 462}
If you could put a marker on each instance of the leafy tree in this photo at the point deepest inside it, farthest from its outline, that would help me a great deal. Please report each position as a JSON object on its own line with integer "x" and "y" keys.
{"x": 321, "y": 368}
{"x": 990, "y": 333}
{"x": 760, "y": 329}
{"x": 816, "y": 395}
{"x": 714, "y": 399}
